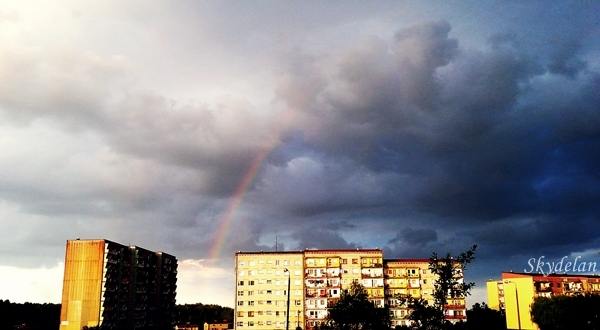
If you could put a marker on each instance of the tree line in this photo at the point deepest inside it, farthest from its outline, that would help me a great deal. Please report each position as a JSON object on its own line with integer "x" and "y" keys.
{"x": 35, "y": 316}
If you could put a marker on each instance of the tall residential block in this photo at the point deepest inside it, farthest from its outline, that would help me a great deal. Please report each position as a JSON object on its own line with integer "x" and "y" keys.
{"x": 515, "y": 293}
{"x": 412, "y": 277}
{"x": 117, "y": 287}
{"x": 316, "y": 280}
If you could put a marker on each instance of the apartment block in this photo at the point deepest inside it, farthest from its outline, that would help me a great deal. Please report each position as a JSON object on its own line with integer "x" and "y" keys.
{"x": 412, "y": 277}
{"x": 515, "y": 293}
{"x": 269, "y": 290}
{"x": 117, "y": 287}
{"x": 317, "y": 279}
{"x": 328, "y": 272}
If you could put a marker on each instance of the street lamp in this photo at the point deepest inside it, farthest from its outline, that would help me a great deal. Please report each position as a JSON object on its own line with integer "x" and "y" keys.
{"x": 287, "y": 315}
{"x": 517, "y": 298}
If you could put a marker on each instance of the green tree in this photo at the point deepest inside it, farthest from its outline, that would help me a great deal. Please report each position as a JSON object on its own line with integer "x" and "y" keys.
{"x": 562, "y": 312}
{"x": 354, "y": 311}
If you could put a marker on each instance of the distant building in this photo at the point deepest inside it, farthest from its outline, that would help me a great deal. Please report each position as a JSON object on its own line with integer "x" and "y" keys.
{"x": 515, "y": 292}
{"x": 218, "y": 326}
{"x": 317, "y": 279}
{"x": 117, "y": 287}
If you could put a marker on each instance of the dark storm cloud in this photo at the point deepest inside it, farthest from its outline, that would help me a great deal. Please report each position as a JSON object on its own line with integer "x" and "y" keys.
{"x": 472, "y": 131}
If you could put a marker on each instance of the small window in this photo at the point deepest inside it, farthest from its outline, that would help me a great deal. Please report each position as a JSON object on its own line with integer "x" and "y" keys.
{"x": 240, "y": 282}
{"x": 240, "y": 293}
{"x": 344, "y": 261}
{"x": 355, "y": 261}
{"x": 240, "y": 303}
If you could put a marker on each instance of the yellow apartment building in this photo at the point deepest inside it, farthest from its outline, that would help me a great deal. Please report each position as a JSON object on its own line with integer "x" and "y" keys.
{"x": 117, "y": 287}
{"x": 404, "y": 277}
{"x": 515, "y": 293}
{"x": 328, "y": 272}
{"x": 269, "y": 290}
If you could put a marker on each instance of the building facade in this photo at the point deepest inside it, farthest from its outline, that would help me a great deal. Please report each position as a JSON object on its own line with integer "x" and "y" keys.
{"x": 117, "y": 287}
{"x": 317, "y": 279}
{"x": 412, "y": 277}
{"x": 515, "y": 293}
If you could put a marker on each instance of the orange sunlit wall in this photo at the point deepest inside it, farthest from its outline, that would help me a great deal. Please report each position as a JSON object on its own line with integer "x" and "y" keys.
{"x": 81, "y": 298}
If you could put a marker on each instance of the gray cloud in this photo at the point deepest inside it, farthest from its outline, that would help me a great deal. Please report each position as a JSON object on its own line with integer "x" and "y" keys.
{"x": 412, "y": 127}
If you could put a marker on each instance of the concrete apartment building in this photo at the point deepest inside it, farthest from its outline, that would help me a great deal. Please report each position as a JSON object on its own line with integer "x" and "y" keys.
{"x": 413, "y": 277}
{"x": 515, "y": 293}
{"x": 317, "y": 278}
{"x": 117, "y": 286}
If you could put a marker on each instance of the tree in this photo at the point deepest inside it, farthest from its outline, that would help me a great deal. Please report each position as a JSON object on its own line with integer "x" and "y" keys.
{"x": 480, "y": 316}
{"x": 354, "y": 311}
{"x": 449, "y": 284}
{"x": 577, "y": 312}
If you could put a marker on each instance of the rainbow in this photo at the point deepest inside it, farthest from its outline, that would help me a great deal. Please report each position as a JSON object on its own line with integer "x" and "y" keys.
{"x": 237, "y": 198}
{"x": 242, "y": 188}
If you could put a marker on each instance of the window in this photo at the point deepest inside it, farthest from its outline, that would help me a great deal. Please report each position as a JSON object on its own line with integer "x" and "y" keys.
{"x": 241, "y": 263}
{"x": 424, "y": 281}
{"x": 297, "y": 272}
{"x": 250, "y": 282}
{"x": 268, "y": 281}
{"x": 344, "y": 261}
{"x": 250, "y": 314}
{"x": 269, "y": 291}
{"x": 298, "y": 293}
{"x": 355, "y": 261}
{"x": 240, "y": 303}
{"x": 268, "y": 322}
{"x": 240, "y": 314}
{"x": 296, "y": 262}
{"x": 276, "y": 262}
{"x": 297, "y": 282}
{"x": 269, "y": 302}
{"x": 297, "y": 302}
{"x": 355, "y": 271}
{"x": 269, "y": 312}
{"x": 240, "y": 293}
{"x": 251, "y": 303}
{"x": 286, "y": 262}
{"x": 322, "y": 302}
{"x": 241, "y": 283}
{"x": 260, "y": 312}
{"x": 276, "y": 313}
{"x": 241, "y": 273}
{"x": 260, "y": 302}
{"x": 269, "y": 261}
{"x": 250, "y": 323}
{"x": 240, "y": 324}
{"x": 261, "y": 261}
{"x": 277, "y": 292}
{"x": 277, "y": 282}
{"x": 250, "y": 293}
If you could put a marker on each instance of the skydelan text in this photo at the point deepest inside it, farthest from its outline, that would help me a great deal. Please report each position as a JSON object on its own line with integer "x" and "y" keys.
{"x": 538, "y": 265}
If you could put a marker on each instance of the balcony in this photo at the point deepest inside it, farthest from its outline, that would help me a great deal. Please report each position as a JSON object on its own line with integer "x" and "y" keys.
{"x": 455, "y": 317}
{"x": 455, "y": 307}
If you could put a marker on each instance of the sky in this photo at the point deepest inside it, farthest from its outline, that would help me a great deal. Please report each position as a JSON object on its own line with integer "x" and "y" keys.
{"x": 203, "y": 128}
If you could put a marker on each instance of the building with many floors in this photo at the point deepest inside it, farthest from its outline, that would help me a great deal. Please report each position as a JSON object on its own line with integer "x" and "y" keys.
{"x": 117, "y": 287}
{"x": 515, "y": 293}
{"x": 311, "y": 280}
{"x": 412, "y": 277}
